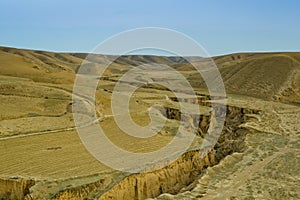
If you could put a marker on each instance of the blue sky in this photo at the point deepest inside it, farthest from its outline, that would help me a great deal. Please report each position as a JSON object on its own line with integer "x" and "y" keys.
{"x": 220, "y": 26}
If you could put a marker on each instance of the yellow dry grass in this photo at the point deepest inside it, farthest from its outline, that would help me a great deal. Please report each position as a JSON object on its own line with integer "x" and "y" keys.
{"x": 50, "y": 156}
{"x": 37, "y": 135}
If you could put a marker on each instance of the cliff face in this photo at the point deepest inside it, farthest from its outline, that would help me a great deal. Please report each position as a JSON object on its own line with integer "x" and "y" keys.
{"x": 15, "y": 188}
{"x": 177, "y": 175}
{"x": 172, "y": 178}
{"x": 233, "y": 136}
{"x": 84, "y": 191}
{"x": 169, "y": 179}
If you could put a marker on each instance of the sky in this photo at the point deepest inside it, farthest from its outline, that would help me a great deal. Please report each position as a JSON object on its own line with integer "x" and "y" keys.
{"x": 220, "y": 26}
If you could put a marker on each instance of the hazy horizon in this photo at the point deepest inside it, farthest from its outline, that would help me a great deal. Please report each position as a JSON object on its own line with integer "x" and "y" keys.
{"x": 151, "y": 53}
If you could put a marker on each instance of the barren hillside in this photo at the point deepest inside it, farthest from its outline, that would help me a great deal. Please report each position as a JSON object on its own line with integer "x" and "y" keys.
{"x": 42, "y": 156}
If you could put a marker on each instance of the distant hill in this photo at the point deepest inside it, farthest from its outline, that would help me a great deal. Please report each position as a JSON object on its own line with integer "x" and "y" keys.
{"x": 265, "y": 75}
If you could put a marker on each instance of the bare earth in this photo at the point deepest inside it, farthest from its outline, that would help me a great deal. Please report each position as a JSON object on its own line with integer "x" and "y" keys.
{"x": 42, "y": 156}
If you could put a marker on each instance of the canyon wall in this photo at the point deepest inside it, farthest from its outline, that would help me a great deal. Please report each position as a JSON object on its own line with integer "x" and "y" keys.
{"x": 179, "y": 174}
{"x": 169, "y": 179}
{"x": 15, "y": 188}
